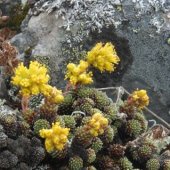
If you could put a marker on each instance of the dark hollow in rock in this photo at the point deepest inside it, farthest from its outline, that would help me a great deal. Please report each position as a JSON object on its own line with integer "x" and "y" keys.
{"x": 123, "y": 51}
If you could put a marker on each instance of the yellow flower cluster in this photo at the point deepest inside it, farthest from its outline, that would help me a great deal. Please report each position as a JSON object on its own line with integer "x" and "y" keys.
{"x": 55, "y": 138}
{"x": 97, "y": 124}
{"x": 103, "y": 57}
{"x": 140, "y": 98}
{"x": 55, "y": 95}
{"x": 77, "y": 74}
{"x": 34, "y": 80}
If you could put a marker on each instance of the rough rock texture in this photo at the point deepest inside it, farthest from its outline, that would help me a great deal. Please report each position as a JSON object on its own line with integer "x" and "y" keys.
{"x": 138, "y": 28}
{"x": 5, "y": 5}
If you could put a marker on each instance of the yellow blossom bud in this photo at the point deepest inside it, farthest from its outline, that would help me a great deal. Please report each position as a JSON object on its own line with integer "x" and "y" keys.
{"x": 83, "y": 65}
{"x": 77, "y": 74}
{"x": 49, "y": 145}
{"x": 76, "y": 71}
{"x": 71, "y": 66}
{"x": 97, "y": 124}
{"x": 140, "y": 98}
{"x": 25, "y": 91}
{"x": 35, "y": 89}
{"x": 103, "y": 57}
{"x": 31, "y": 79}
{"x": 55, "y": 138}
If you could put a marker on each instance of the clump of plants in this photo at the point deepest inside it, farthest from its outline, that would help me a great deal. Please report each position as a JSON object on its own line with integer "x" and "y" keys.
{"x": 80, "y": 128}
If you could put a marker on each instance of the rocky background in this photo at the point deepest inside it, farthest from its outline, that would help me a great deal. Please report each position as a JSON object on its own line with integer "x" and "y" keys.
{"x": 59, "y": 31}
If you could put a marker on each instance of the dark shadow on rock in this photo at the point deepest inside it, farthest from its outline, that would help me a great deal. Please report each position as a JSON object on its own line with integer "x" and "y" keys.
{"x": 121, "y": 44}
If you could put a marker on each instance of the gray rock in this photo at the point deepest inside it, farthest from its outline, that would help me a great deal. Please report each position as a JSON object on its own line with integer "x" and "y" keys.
{"x": 138, "y": 28}
{"x": 7, "y": 160}
{"x": 6, "y": 5}
{"x": 3, "y": 140}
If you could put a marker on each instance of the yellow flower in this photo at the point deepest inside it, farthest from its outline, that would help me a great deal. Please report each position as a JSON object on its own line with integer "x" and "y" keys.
{"x": 31, "y": 79}
{"x": 85, "y": 78}
{"x": 49, "y": 145}
{"x": 45, "y": 89}
{"x": 140, "y": 98}
{"x": 25, "y": 91}
{"x": 77, "y": 74}
{"x": 55, "y": 95}
{"x": 97, "y": 124}
{"x": 55, "y": 138}
{"x": 103, "y": 57}
{"x": 34, "y": 80}
{"x": 35, "y": 90}
{"x": 83, "y": 65}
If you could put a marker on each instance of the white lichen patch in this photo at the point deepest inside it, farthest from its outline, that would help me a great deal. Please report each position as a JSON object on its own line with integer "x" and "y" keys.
{"x": 4, "y": 109}
{"x": 93, "y": 15}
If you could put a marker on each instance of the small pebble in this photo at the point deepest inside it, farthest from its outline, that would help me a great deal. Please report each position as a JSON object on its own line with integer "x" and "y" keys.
{"x": 168, "y": 15}
{"x": 168, "y": 41}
